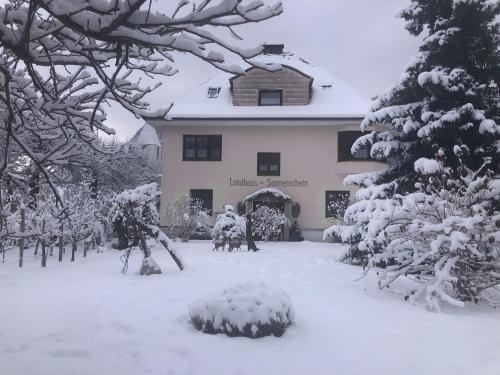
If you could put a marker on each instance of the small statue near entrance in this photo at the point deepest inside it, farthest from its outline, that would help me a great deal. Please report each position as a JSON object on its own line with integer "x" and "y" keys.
{"x": 296, "y": 233}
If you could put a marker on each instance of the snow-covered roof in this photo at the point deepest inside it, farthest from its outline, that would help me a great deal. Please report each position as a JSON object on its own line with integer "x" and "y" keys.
{"x": 145, "y": 136}
{"x": 331, "y": 97}
{"x": 268, "y": 191}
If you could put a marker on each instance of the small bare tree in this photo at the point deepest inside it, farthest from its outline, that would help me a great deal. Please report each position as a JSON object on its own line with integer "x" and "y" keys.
{"x": 185, "y": 215}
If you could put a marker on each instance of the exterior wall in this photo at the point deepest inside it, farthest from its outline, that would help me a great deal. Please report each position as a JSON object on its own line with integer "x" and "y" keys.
{"x": 295, "y": 86}
{"x": 308, "y": 154}
{"x": 151, "y": 152}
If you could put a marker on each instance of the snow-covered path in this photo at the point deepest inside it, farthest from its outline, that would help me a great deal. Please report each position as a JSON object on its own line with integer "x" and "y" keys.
{"x": 87, "y": 318}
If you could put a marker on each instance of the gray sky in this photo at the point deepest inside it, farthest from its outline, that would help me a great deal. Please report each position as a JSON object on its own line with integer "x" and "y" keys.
{"x": 360, "y": 41}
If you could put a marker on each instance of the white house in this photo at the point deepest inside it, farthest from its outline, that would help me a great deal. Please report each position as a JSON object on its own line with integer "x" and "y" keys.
{"x": 279, "y": 135}
{"x": 147, "y": 142}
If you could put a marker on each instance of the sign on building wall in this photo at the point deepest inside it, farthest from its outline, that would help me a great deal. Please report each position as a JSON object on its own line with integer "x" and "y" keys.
{"x": 268, "y": 182}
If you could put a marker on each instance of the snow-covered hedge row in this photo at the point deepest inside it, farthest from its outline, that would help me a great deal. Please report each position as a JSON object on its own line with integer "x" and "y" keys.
{"x": 252, "y": 309}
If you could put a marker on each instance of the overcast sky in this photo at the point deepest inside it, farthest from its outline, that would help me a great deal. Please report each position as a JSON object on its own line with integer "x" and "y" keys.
{"x": 360, "y": 41}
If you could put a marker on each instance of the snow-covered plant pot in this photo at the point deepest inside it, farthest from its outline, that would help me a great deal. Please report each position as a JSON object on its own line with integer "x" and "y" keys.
{"x": 251, "y": 309}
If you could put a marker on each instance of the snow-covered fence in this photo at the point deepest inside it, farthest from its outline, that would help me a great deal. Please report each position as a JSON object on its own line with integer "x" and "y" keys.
{"x": 44, "y": 224}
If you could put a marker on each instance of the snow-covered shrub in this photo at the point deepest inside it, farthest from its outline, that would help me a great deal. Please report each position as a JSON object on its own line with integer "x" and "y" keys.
{"x": 149, "y": 267}
{"x": 268, "y": 222}
{"x": 446, "y": 236}
{"x": 228, "y": 226}
{"x": 252, "y": 309}
{"x": 186, "y": 216}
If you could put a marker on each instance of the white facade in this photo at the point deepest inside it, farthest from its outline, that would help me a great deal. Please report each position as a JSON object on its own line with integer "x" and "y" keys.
{"x": 307, "y": 161}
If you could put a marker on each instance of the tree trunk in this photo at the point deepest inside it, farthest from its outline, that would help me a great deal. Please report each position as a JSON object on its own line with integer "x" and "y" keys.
{"x": 249, "y": 235}
{"x": 21, "y": 242}
{"x": 145, "y": 249}
{"x": 173, "y": 255}
{"x": 61, "y": 244}
{"x": 73, "y": 250}
{"x": 44, "y": 254}
{"x": 36, "y": 246}
{"x": 2, "y": 249}
{"x": 85, "y": 248}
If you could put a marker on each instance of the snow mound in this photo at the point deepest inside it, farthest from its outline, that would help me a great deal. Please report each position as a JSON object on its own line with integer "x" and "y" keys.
{"x": 251, "y": 309}
{"x": 149, "y": 267}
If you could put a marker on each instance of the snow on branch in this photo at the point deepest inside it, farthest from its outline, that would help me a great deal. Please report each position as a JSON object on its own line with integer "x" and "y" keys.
{"x": 62, "y": 62}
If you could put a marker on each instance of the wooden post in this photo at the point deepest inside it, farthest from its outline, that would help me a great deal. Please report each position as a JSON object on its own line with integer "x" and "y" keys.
{"x": 73, "y": 250}
{"x": 61, "y": 244}
{"x": 36, "y": 246}
{"x": 2, "y": 249}
{"x": 44, "y": 254}
{"x": 144, "y": 247}
{"x": 172, "y": 254}
{"x": 42, "y": 241}
{"x": 21, "y": 241}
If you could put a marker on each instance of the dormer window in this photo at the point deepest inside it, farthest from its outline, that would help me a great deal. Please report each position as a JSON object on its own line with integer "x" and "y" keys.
{"x": 213, "y": 92}
{"x": 270, "y": 97}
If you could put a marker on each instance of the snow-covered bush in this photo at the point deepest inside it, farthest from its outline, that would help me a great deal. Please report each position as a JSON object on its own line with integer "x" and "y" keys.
{"x": 187, "y": 216}
{"x": 252, "y": 309}
{"x": 268, "y": 222}
{"x": 446, "y": 236}
{"x": 229, "y": 226}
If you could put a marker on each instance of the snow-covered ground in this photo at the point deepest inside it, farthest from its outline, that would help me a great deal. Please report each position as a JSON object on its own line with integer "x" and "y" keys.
{"x": 88, "y": 318}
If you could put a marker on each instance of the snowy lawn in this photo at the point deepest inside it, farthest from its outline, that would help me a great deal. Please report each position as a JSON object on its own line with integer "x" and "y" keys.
{"x": 88, "y": 318}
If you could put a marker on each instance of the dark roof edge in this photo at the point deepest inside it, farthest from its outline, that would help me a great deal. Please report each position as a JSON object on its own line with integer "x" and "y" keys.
{"x": 260, "y": 118}
{"x": 231, "y": 79}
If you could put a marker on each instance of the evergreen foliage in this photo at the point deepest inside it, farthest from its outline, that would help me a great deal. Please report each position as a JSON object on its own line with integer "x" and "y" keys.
{"x": 447, "y": 97}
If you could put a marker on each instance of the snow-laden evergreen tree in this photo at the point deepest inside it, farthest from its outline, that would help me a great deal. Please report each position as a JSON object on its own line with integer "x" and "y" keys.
{"x": 447, "y": 95}
{"x": 445, "y": 236}
{"x": 229, "y": 226}
{"x": 268, "y": 222}
{"x": 135, "y": 220}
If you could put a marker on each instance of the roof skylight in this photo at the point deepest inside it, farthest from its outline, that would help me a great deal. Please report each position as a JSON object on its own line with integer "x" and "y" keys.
{"x": 213, "y": 92}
